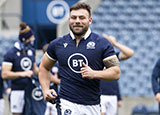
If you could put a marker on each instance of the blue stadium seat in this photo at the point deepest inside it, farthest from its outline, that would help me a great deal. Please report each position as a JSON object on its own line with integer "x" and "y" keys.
{"x": 135, "y": 24}
{"x": 153, "y": 109}
{"x": 6, "y": 43}
{"x": 139, "y": 109}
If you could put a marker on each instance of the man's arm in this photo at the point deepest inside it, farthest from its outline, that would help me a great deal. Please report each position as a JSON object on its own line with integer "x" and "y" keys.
{"x": 126, "y": 52}
{"x": 112, "y": 71}
{"x": 44, "y": 79}
{"x": 7, "y": 72}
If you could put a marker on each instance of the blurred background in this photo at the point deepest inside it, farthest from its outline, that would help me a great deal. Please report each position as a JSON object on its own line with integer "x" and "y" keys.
{"x": 135, "y": 23}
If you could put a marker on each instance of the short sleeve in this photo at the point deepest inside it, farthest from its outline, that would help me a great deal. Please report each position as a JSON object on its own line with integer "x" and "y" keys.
{"x": 8, "y": 57}
{"x": 108, "y": 49}
{"x": 51, "y": 51}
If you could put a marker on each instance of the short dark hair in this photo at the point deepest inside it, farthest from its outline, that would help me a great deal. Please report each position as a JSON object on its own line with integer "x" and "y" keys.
{"x": 81, "y": 5}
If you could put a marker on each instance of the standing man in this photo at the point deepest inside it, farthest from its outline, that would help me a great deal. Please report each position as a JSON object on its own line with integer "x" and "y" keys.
{"x": 156, "y": 81}
{"x": 82, "y": 56}
{"x": 19, "y": 66}
{"x": 110, "y": 97}
{"x": 1, "y": 94}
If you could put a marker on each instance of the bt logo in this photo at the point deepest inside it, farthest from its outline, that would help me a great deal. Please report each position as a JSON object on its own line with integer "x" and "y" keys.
{"x": 26, "y": 63}
{"x": 75, "y": 62}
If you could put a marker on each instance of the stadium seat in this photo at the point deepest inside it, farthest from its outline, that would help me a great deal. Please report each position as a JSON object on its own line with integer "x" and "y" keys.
{"x": 153, "y": 109}
{"x": 135, "y": 23}
{"x": 139, "y": 109}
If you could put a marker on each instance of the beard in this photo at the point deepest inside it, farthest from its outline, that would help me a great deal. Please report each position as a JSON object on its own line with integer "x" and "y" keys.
{"x": 80, "y": 33}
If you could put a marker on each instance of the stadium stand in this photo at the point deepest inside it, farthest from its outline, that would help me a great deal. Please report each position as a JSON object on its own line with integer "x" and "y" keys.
{"x": 134, "y": 23}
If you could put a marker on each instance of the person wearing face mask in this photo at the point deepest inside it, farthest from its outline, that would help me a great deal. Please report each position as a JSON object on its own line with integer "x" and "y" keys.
{"x": 19, "y": 66}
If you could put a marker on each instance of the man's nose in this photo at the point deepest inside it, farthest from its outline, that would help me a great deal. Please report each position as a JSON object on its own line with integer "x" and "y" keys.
{"x": 77, "y": 20}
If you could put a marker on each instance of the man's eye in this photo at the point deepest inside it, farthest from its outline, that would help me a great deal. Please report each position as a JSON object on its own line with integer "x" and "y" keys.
{"x": 82, "y": 18}
{"x": 73, "y": 17}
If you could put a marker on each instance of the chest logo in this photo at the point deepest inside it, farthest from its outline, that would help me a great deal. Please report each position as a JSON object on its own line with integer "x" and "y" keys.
{"x": 26, "y": 63}
{"x": 91, "y": 45}
{"x": 75, "y": 62}
{"x": 30, "y": 53}
{"x": 37, "y": 94}
{"x": 65, "y": 45}
{"x": 18, "y": 53}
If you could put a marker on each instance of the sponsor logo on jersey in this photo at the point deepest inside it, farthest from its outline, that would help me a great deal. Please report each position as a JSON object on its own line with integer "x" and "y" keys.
{"x": 91, "y": 45}
{"x": 65, "y": 45}
{"x": 26, "y": 63}
{"x": 37, "y": 94}
{"x": 75, "y": 62}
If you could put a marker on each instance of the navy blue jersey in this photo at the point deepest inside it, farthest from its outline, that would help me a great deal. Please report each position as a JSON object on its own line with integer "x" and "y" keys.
{"x": 53, "y": 71}
{"x": 1, "y": 85}
{"x": 92, "y": 50}
{"x": 19, "y": 62}
{"x": 156, "y": 78}
{"x": 55, "y": 68}
{"x": 111, "y": 87}
{"x": 34, "y": 101}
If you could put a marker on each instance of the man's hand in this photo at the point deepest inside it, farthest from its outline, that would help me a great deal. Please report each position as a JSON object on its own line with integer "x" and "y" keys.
{"x": 110, "y": 39}
{"x": 49, "y": 94}
{"x": 119, "y": 103}
{"x": 27, "y": 73}
{"x": 87, "y": 72}
{"x": 157, "y": 97}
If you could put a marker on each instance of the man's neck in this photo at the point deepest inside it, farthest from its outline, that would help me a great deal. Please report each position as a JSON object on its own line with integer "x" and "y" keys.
{"x": 78, "y": 37}
{"x": 85, "y": 35}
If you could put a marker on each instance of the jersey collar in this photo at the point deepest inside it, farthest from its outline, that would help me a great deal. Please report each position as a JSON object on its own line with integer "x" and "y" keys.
{"x": 85, "y": 36}
{"x": 17, "y": 45}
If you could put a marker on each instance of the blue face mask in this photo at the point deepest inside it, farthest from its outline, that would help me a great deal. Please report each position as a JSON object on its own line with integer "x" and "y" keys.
{"x": 32, "y": 43}
{"x": 25, "y": 46}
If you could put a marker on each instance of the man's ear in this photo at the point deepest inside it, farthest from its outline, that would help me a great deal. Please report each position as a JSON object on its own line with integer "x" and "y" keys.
{"x": 90, "y": 20}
